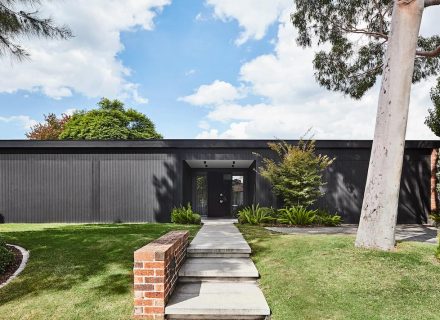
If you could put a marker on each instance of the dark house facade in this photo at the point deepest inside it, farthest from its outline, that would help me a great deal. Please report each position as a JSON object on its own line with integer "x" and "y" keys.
{"x": 141, "y": 181}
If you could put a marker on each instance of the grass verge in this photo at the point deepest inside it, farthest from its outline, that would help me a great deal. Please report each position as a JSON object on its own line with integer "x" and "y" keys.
{"x": 325, "y": 277}
{"x": 76, "y": 271}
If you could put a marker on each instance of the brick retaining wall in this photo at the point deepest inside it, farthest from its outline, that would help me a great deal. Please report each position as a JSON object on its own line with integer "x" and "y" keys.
{"x": 156, "y": 268}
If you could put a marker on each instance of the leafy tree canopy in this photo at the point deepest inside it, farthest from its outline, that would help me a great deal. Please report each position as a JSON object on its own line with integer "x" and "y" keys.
{"x": 111, "y": 121}
{"x": 433, "y": 118}
{"x": 50, "y": 129}
{"x": 354, "y": 34}
{"x": 20, "y": 18}
{"x": 296, "y": 176}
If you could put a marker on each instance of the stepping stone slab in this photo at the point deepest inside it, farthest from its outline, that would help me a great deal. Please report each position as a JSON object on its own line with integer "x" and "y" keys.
{"x": 219, "y": 239}
{"x": 217, "y": 300}
{"x": 217, "y": 268}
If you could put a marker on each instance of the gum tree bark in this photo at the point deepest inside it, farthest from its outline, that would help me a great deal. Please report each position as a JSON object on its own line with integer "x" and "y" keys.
{"x": 379, "y": 208}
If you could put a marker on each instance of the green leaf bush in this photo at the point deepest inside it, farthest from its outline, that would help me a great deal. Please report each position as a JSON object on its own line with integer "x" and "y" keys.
{"x": 435, "y": 216}
{"x": 298, "y": 215}
{"x": 325, "y": 219}
{"x": 6, "y": 256}
{"x": 185, "y": 215}
{"x": 256, "y": 215}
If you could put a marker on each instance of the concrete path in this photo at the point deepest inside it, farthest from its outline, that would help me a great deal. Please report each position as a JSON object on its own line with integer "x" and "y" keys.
{"x": 218, "y": 279}
{"x": 404, "y": 232}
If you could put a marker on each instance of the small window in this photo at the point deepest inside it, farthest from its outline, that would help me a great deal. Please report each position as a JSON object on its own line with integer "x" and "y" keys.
{"x": 237, "y": 192}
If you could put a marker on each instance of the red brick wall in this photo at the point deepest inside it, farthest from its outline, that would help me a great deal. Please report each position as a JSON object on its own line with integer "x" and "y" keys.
{"x": 156, "y": 268}
{"x": 434, "y": 159}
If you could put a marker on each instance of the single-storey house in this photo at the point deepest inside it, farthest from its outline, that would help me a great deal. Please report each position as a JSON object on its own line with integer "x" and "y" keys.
{"x": 133, "y": 181}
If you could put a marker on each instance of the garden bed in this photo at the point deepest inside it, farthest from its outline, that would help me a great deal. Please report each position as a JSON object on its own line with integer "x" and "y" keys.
{"x": 15, "y": 264}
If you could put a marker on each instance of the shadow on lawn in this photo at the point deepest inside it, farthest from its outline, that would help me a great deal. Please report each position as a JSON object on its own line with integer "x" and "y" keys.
{"x": 64, "y": 257}
{"x": 257, "y": 238}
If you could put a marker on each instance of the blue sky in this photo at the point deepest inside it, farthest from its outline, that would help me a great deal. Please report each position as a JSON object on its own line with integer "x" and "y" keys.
{"x": 198, "y": 69}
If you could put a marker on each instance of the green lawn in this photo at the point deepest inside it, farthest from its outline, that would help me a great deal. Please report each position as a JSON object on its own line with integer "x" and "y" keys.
{"x": 84, "y": 272}
{"x": 76, "y": 271}
{"x": 325, "y": 277}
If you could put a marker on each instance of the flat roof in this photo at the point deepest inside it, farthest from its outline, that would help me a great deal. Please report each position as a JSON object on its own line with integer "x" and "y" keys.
{"x": 193, "y": 144}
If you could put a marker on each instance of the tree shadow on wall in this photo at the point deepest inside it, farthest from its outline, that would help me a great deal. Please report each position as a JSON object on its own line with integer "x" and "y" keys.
{"x": 415, "y": 193}
{"x": 345, "y": 189}
{"x": 165, "y": 193}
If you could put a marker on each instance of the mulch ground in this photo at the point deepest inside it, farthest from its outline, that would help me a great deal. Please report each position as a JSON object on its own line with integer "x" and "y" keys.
{"x": 13, "y": 266}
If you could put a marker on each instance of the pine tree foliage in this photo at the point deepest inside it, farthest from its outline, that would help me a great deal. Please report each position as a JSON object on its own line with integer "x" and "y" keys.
{"x": 354, "y": 34}
{"x": 297, "y": 175}
{"x": 19, "y": 18}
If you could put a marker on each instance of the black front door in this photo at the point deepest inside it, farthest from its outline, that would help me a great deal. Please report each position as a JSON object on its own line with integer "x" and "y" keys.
{"x": 219, "y": 194}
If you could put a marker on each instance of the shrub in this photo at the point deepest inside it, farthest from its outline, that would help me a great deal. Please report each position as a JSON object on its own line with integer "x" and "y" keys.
{"x": 435, "y": 216}
{"x": 6, "y": 256}
{"x": 297, "y": 215}
{"x": 296, "y": 176}
{"x": 326, "y": 219}
{"x": 256, "y": 215}
{"x": 185, "y": 215}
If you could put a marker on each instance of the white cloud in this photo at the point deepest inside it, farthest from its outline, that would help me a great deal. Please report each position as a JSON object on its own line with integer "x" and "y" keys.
{"x": 190, "y": 72}
{"x": 204, "y": 125}
{"x": 215, "y": 93}
{"x": 254, "y": 17}
{"x": 70, "y": 111}
{"x": 24, "y": 122}
{"x": 294, "y": 102}
{"x": 88, "y": 63}
{"x": 208, "y": 134}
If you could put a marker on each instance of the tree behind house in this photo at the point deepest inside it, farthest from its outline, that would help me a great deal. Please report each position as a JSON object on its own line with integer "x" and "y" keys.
{"x": 111, "y": 121}
{"x": 50, "y": 129}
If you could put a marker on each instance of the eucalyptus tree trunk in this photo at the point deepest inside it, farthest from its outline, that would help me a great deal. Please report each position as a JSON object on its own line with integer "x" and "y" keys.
{"x": 379, "y": 209}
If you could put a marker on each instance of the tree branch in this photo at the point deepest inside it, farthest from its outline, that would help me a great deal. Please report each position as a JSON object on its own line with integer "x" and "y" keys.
{"x": 429, "y": 3}
{"x": 429, "y": 54}
{"x": 366, "y": 32}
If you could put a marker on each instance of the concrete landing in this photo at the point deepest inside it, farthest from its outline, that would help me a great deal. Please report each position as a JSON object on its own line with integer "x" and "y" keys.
{"x": 217, "y": 300}
{"x": 218, "y": 269}
{"x": 216, "y": 240}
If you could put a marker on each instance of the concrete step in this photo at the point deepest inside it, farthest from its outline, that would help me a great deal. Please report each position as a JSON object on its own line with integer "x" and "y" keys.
{"x": 222, "y": 240}
{"x": 217, "y": 300}
{"x": 218, "y": 269}
{"x": 216, "y": 254}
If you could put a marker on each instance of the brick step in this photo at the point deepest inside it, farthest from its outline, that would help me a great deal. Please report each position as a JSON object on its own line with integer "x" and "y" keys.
{"x": 217, "y": 300}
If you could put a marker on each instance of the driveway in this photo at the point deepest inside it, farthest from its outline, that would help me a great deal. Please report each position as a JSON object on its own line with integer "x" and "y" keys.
{"x": 404, "y": 232}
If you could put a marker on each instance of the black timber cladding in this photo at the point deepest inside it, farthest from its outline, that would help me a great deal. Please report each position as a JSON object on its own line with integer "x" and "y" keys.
{"x": 105, "y": 181}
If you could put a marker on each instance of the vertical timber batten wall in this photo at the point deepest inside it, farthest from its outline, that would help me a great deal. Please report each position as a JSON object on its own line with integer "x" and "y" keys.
{"x": 139, "y": 181}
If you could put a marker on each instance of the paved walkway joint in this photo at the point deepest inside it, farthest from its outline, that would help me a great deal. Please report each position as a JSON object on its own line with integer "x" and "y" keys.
{"x": 218, "y": 279}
